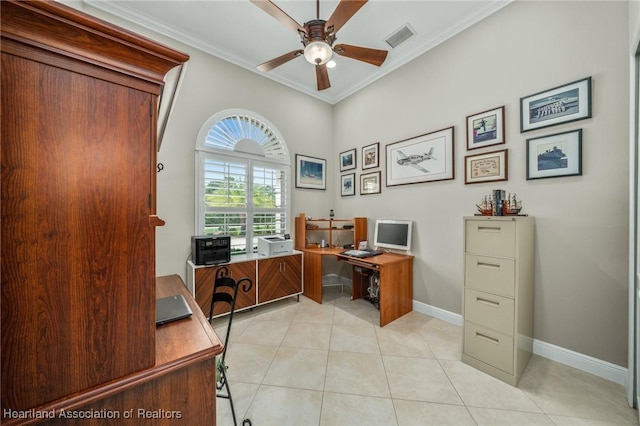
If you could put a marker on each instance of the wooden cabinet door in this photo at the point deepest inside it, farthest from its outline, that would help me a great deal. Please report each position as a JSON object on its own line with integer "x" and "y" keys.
{"x": 279, "y": 277}
{"x": 78, "y": 269}
{"x": 205, "y": 277}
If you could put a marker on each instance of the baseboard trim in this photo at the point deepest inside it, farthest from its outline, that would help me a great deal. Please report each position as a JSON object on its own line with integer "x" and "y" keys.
{"x": 586, "y": 363}
{"x": 582, "y": 362}
{"x": 441, "y": 314}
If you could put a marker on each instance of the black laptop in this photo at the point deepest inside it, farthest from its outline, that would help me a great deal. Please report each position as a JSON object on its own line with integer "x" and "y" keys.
{"x": 171, "y": 308}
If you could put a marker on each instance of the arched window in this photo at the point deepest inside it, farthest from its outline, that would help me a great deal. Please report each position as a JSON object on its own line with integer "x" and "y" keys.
{"x": 243, "y": 179}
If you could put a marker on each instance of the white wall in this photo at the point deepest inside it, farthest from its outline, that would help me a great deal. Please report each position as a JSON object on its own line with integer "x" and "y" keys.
{"x": 581, "y": 222}
{"x": 212, "y": 85}
{"x": 209, "y": 86}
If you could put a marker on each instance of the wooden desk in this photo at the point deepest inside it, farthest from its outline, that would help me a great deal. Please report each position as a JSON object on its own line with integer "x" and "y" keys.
{"x": 312, "y": 270}
{"x": 396, "y": 279}
{"x": 178, "y": 390}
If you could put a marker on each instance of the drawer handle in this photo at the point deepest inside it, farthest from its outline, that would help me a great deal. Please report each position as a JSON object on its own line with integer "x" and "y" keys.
{"x": 487, "y": 338}
{"x": 492, "y": 303}
{"x": 489, "y": 228}
{"x": 487, "y": 265}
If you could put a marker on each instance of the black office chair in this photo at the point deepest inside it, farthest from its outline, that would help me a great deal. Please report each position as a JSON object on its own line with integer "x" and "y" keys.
{"x": 225, "y": 290}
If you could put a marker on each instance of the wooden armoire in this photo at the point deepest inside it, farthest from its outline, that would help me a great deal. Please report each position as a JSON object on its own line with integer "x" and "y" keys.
{"x": 78, "y": 145}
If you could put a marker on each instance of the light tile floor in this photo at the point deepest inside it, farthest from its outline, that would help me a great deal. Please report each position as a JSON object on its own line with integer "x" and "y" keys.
{"x": 302, "y": 363}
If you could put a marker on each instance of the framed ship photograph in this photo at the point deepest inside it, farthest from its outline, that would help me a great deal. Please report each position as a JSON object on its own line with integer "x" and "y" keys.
{"x": 348, "y": 160}
{"x": 555, "y": 155}
{"x": 348, "y": 185}
{"x": 485, "y": 128}
{"x": 311, "y": 172}
{"x": 563, "y": 104}
{"x": 371, "y": 156}
{"x": 424, "y": 158}
{"x": 487, "y": 167}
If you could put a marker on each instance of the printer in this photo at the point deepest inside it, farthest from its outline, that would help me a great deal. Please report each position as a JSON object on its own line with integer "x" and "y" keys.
{"x": 274, "y": 245}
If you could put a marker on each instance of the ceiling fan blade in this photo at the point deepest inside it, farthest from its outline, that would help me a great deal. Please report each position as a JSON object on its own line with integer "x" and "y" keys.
{"x": 279, "y": 14}
{"x": 344, "y": 11}
{"x": 276, "y": 62}
{"x": 322, "y": 77}
{"x": 372, "y": 56}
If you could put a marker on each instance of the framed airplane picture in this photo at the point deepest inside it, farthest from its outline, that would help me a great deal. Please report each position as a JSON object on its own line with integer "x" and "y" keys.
{"x": 424, "y": 158}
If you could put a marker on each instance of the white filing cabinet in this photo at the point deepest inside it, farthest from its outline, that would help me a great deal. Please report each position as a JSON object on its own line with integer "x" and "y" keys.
{"x": 498, "y": 295}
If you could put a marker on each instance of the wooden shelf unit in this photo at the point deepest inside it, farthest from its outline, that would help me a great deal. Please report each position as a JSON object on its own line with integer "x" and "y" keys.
{"x": 333, "y": 232}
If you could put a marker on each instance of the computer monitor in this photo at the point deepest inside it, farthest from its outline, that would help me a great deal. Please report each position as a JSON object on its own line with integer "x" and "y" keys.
{"x": 393, "y": 234}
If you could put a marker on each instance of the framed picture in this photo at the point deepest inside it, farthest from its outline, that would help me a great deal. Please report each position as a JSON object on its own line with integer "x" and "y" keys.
{"x": 348, "y": 186}
{"x": 371, "y": 156}
{"x": 348, "y": 160}
{"x": 562, "y": 104}
{"x": 485, "y": 128}
{"x": 424, "y": 158}
{"x": 555, "y": 155}
{"x": 487, "y": 167}
{"x": 370, "y": 183}
{"x": 311, "y": 172}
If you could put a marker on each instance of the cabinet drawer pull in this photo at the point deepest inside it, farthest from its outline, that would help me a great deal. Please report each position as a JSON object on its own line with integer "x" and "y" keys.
{"x": 487, "y": 265}
{"x": 492, "y": 303}
{"x": 487, "y": 338}
{"x": 489, "y": 228}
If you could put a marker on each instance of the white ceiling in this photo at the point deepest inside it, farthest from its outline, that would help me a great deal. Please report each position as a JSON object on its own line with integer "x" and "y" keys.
{"x": 243, "y": 34}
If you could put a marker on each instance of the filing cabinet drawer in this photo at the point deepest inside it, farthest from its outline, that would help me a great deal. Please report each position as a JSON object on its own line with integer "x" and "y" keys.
{"x": 492, "y": 238}
{"x": 492, "y": 274}
{"x": 488, "y": 346}
{"x": 489, "y": 310}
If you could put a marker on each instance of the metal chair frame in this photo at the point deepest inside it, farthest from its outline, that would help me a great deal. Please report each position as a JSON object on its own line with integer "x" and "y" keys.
{"x": 224, "y": 281}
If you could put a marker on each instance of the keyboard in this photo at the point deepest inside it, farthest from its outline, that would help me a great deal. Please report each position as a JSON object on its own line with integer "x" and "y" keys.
{"x": 361, "y": 253}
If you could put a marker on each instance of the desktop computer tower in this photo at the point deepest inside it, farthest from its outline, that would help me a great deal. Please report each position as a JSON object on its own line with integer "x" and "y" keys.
{"x": 210, "y": 250}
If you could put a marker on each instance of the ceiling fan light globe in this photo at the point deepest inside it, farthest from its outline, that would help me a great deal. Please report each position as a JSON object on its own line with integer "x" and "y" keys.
{"x": 317, "y": 52}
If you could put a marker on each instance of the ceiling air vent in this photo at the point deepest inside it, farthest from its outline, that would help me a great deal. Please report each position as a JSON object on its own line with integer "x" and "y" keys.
{"x": 400, "y": 36}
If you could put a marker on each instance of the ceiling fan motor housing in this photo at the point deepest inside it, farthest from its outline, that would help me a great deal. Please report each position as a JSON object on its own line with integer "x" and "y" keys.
{"x": 316, "y": 32}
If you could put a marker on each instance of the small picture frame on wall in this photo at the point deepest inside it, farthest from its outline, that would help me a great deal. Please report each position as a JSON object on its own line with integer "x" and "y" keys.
{"x": 348, "y": 160}
{"x": 348, "y": 185}
{"x": 311, "y": 172}
{"x": 485, "y": 128}
{"x": 371, "y": 156}
{"x": 563, "y": 104}
{"x": 487, "y": 167}
{"x": 555, "y": 155}
{"x": 370, "y": 183}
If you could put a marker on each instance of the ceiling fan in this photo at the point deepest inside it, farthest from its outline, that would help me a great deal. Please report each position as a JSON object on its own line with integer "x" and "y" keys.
{"x": 318, "y": 37}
